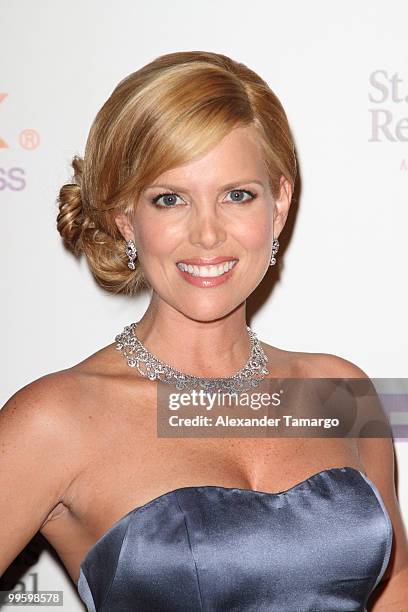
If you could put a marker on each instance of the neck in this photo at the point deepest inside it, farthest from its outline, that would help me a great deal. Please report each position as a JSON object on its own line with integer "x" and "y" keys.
{"x": 217, "y": 348}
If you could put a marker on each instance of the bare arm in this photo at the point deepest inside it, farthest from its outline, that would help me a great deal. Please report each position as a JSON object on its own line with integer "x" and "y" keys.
{"x": 391, "y": 594}
{"x": 377, "y": 454}
{"x": 36, "y": 466}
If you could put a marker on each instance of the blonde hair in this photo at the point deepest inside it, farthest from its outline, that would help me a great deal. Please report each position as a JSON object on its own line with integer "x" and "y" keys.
{"x": 169, "y": 112}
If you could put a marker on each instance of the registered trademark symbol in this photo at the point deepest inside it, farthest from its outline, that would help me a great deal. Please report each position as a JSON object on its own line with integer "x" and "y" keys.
{"x": 29, "y": 139}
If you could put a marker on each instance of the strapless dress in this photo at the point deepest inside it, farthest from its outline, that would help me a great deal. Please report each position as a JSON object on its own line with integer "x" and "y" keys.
{"x": 322, "y": 545}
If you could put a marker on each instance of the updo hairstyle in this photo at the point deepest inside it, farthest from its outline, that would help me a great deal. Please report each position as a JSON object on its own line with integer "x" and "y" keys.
{"x": 171, "y": 111}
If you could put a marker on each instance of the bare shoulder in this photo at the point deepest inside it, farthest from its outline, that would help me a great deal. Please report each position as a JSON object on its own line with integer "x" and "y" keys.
{"x": 54, "y": 401}
{"x": 58, "y": 419}
{"x": 40, "y": 402}
{"x": 43, "y": 448}
{"x": 40, "y": 422}
{"x": 332, "y": 366}
{"x": 311, "y": 365}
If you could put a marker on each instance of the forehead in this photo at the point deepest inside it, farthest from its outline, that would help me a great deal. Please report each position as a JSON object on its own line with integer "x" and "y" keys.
{"x": 237, "y": 156}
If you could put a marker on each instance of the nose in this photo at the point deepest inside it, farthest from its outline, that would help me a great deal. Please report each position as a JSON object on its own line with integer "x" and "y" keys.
{"x": 207, "y": 230}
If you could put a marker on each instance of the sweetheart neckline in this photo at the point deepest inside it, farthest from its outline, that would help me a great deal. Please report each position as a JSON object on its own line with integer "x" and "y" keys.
{"x": 221, "y": 488}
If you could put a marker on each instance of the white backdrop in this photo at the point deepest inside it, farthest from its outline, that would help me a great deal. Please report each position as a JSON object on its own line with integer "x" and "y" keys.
{"x": 340, "y": 70}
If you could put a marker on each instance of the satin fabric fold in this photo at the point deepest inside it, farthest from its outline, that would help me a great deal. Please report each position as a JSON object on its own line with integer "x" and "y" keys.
{"x": 322, "y": 545}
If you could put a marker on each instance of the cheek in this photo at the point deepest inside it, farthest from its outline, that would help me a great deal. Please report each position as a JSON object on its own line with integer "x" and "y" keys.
{"x": 256, "y": 233}
{"x": 155, "y": 237}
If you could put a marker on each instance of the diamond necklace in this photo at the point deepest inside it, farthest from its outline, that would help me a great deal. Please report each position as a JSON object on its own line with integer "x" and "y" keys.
{"x": 150, "y": 366}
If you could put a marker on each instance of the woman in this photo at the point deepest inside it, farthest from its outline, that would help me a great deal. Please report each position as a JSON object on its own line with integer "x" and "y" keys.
{"x": 184, "y": 189}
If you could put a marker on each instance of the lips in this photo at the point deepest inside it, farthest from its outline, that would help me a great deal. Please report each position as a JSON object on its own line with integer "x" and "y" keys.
{"x": 209, "y": 270}
{"x": 205, "y": 281}
{"x": 207, "y": 261}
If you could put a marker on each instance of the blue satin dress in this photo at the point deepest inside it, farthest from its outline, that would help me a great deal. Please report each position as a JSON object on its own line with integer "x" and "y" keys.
{"x": 322, "y": 545}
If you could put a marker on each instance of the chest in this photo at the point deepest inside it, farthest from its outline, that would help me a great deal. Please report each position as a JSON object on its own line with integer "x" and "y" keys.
{"x": 126, "y": 472}
{"x": 126, "y": 463}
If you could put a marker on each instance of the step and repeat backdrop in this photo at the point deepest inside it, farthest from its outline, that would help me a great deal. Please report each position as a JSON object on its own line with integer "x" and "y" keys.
{"x": 340, "y": 70}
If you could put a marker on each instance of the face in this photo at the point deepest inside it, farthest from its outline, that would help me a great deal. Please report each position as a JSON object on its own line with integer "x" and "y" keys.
{"x": 204, "y": 230}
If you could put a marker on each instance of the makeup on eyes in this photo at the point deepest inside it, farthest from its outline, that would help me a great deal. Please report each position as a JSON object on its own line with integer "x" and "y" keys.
{"x": 252, "y": 195}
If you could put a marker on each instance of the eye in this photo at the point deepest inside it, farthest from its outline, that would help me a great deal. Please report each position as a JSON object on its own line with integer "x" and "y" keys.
{"x": 170, "y": 202}
{"x": 240, "y": 192}
{"x": 170, "y": 199}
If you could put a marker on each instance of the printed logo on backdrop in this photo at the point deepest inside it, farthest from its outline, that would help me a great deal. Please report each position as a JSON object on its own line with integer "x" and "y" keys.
{"x": 12, "y": 177}
{"x": 389, "y": 116}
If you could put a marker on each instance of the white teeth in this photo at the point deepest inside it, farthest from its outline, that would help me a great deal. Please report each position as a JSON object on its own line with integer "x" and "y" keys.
{"x": 214, "y": 270}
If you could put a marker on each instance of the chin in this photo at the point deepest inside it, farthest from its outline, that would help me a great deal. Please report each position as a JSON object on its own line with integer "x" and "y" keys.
{"x": 206, "y": 310}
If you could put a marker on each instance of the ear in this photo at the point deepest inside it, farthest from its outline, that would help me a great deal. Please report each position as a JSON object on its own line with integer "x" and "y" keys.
{"x": 124, "y": 226}
{"x": 281, "y": 206}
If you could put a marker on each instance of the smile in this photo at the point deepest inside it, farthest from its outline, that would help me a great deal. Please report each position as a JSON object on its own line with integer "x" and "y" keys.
{"x": 207, "y": 271}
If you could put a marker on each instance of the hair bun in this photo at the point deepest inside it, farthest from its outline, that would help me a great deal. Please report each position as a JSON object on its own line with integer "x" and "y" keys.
{"x": 71, "y": 215}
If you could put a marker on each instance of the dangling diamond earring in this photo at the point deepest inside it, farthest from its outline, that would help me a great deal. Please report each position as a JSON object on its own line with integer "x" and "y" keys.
{"x": 275, "y": 247}
{"x": 131, "y": 252}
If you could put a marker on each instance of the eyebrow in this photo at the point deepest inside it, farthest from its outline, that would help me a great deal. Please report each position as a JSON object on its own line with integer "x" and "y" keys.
{"x": 183, "y": 190}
